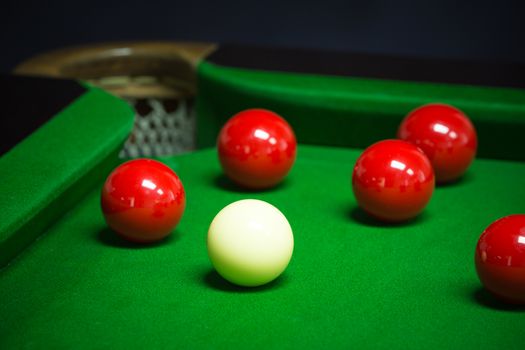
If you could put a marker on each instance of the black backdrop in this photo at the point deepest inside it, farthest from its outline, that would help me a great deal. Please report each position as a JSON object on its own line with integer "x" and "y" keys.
{"x": 479, "y": 30}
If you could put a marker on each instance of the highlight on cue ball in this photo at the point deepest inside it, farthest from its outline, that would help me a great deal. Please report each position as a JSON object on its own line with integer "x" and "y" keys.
{"x": 250, "y": 242}
{"x": 256, "y": 148}
{"x": 143, "y": 200}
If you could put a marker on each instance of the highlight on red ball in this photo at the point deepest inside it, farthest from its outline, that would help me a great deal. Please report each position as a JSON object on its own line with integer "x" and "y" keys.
{"x": 500, "y": 259}
{"x": 143, "y": 200}
{"x": 445, "y": 134}
{"x": 393, "y": 180}
{"x": 256, "y": 148}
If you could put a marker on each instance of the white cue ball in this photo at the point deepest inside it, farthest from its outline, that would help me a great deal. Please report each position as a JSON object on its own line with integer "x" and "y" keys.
{"x": 250, "y": 242}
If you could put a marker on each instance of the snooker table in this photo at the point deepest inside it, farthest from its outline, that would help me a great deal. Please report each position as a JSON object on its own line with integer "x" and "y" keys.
{"x": 353, "y": 282}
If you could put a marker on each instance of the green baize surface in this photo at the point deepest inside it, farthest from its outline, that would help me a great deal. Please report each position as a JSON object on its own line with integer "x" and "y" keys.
{"x": 352, "y": 282}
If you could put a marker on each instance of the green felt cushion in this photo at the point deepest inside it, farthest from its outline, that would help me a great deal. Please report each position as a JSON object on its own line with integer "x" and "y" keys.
{"x": 354, "y": 112}
{"x": 352, "y": 283}
{"x": 48, "y": 172}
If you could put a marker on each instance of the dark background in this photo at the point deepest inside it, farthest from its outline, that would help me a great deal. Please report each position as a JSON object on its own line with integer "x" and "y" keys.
{"x": 473, "y": 30}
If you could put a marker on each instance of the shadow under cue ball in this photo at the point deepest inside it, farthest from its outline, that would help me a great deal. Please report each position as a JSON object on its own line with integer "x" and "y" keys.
{"x": 250, "y": 242}
{"x": 143, "y": 200}
{"x": 257, "y": 148}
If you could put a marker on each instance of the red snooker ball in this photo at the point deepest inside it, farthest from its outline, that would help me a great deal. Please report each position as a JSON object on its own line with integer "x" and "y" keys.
{"x": 257, "y": 148}
{"x": 445, "y": 134}
{"x": 143, "y": 200}
{"x": 393, "y": 180}
{"x": 500, "y": 258}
